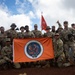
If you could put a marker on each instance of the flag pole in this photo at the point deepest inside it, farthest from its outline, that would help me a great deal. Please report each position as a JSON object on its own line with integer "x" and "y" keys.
{"x": 41, "y": 20}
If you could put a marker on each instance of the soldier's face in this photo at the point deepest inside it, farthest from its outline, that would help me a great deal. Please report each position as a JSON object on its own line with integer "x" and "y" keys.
{"x": 35, "y": 27}
{"x": 73, "y": 26}
{"x": 22, "y": 30}
{"x": 65, "y": 25}
{"x": 2, "y": 29}
{"x": 56, "y": 36}
{"x": 13, "y": 27}
{"x": 53, "y": 28}
{"x": 27, "y": 28}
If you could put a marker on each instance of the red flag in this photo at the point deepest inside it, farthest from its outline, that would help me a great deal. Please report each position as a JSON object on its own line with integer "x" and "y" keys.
{"x": 43, "y": 23}
{"x": 32, "y": 49}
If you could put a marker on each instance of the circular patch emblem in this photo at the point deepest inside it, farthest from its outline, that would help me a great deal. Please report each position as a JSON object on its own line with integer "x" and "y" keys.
{"x": 33, "y": 49}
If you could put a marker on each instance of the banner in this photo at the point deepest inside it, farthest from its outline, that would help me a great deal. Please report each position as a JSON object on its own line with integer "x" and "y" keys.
{"x": 32, "y": 49}
{"x": 43, "y": 23}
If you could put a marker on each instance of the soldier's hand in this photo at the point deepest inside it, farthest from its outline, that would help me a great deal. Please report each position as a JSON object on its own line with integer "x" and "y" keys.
{"x": 57, "y": 22}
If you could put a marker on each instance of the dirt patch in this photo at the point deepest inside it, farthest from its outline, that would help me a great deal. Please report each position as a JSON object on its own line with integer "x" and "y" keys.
{"x": 40, "y": 71}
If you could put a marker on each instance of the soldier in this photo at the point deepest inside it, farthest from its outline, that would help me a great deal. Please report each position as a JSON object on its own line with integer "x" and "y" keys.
{"x": 36, "y": 32}
{"x": 28, "y": 33}
{"x": 7, "y": 54}
{"x": 59, "y": 30}
{"x": 73, "y": 28}
{"x": 58, "y": 51}
{"x": 53, "y": 30}
{"x": 73, "y": 25}
{"x": 64, "y": 37}
{"x": 3, "y": 36}
{"x": 21, "y": 34}
{"x": 51, "y": 35}
{"x": 48, "y": 33}
{"x": 71, "y": 44}
{"x": 11, "y": 33}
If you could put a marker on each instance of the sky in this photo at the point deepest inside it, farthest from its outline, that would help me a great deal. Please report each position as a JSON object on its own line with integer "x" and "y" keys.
{"x": 28, "y": 12}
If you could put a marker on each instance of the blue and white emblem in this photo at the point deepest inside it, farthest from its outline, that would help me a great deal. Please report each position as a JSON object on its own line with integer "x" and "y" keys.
{"x": 33, "y": 49}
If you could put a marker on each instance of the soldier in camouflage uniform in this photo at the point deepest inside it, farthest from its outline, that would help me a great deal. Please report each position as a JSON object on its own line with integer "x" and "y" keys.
{"x": 51, "y": 35}
{"x": 71, "y": 44}
{"x": 59, "y": 30}
{"x": 48, "y": 33}
{"x": 7, "y": 54}
{"x": 3, "y": 36}
{"x": 53, "y": 30}
{"x": 11, "y": 33}
{"x": 73, "y": 27}
{"x": 36, "y": 32}
{"x": 64, "y": 37}
{"x": 58, "y": 51}
{"x": 21, "y": 34}
{"x": 28, "y": 33}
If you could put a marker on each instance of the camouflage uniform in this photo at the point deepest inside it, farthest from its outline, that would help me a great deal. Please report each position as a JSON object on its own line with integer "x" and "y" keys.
{"x": 21, "y": 34}
{"x": 64, "y": 37}
{"x": 58, "y": 51}
{"x": 11, "y": 33}
{"x": 2, "y": 61}
{"x": 7, "y": 54}
{"x": 37, "y": 32}
{"x": 71, "y": 44}
{"x": 3, "y": 36}
{"x": 73, "y": 31}
{"x": 28, "y": 34}
{"x": 48, "y": 33}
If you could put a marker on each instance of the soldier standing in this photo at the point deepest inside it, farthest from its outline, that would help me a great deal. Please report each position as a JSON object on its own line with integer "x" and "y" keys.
{"x": 21, "y": 34}
{"x": 53, "y": 30}
{"x": 59, "y": 30}
{"x": 64, "y": 37}
{"x": 73, "y": 28}
{"x": 71, "y": 44}
{"x": 73, "y": 25}
{"x": 48, "y": 33}
{"x": 28, "y": 33}
{"x": 51, "y": 35}
{"x": 3, "y": 36}
{"x": 11, "y": 33}
{"x": 37, "y": 32}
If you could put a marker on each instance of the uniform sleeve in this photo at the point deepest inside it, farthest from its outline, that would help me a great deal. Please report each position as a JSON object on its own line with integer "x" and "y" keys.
{"x": 60, "y": 47}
